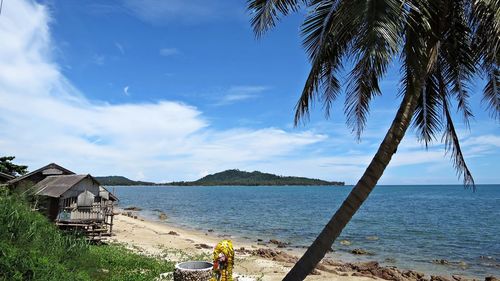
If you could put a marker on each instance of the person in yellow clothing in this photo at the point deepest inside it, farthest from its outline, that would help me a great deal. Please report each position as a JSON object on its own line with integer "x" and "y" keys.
{"x": 223, "y": 261}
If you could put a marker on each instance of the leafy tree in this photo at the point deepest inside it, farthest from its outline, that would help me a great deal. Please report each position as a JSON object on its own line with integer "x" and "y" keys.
{"x": 442, "y": 46}
{"x": 7, "y": 167}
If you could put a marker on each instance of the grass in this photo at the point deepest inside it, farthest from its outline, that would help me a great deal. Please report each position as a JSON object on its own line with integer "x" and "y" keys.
{"x": 31, "y": 248}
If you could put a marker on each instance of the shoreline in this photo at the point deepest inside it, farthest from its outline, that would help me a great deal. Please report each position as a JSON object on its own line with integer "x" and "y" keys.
{"x": 261, "y": 260}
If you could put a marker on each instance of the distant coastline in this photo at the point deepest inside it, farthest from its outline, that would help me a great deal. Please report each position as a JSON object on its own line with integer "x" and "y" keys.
{"x": 227, "y": 178}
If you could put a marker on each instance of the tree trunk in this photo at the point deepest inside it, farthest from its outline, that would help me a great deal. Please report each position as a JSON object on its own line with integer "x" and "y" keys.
{"x": 359, "y": 193}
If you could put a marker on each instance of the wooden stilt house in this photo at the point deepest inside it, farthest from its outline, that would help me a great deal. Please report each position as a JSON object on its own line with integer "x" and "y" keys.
{"x": 77, "y": 202}
{"x": 73, "y": 202}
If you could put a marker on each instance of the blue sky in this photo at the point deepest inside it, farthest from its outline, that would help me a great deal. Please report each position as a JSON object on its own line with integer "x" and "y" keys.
{"x": 174, "y": 90}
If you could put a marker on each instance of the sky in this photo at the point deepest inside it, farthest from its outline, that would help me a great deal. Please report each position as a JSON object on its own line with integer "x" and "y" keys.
{"x": 168, "y": 90}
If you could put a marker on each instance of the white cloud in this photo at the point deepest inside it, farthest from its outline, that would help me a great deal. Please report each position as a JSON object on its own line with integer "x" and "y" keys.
{"x": 241, "y": 93}
{"x": 166, "y": 52}
{"x": 45, "y": 119}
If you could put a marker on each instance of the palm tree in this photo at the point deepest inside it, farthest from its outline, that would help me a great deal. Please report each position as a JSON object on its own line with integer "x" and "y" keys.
{"x": 442, "y": 45}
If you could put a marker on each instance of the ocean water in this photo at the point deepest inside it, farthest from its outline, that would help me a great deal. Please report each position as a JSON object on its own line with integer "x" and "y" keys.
{"x": 405, "y": 226}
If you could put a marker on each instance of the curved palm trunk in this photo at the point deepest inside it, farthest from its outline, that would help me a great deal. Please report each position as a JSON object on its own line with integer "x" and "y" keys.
{"x": 359, "y": 193}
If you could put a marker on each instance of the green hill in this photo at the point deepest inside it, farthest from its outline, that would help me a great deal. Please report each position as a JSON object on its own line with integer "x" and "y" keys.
{"x": 237, "y": 177}
{"x": 228, "y": 177}
{"x": 119, "y": 180}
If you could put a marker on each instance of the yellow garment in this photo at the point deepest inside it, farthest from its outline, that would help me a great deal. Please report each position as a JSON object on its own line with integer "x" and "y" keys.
{"x": 223, "y": 261}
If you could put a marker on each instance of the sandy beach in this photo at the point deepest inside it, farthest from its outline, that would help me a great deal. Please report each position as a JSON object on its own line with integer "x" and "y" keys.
{"x": 175, "y": 243}
{"x": 258, "y": 261}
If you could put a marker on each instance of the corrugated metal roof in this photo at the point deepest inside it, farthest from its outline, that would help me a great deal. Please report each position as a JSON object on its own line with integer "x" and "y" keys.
{"x": 51, "y": 166}
{"x": 55, "y": 186}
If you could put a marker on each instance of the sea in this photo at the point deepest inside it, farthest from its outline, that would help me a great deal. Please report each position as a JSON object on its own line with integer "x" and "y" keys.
{"x": 436, "y": 229}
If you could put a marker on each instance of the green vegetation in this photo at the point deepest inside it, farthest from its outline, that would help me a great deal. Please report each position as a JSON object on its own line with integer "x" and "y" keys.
{"x": 237, "y": 177}
{"x": 228, "y": 177}
{"x": 119, "y": 180}
{"x": 7, "y": 167}
{"x": 31, "y": 248}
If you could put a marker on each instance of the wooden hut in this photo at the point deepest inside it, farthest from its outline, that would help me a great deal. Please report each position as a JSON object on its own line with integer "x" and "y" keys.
{"x": 76, "y": 202}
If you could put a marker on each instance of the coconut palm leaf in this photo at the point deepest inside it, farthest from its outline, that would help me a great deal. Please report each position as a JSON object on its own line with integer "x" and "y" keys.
{"x": 460, "y": 65}
{"x": 452, "y": 144}
{"x": 265, "y": 13}
{"x": 375, "y": 46}
{"x": 428, "y": 117}
{"x": 485, "y": 23}
{"x": 492, "y": 94}
{"x": 327, "y": 32}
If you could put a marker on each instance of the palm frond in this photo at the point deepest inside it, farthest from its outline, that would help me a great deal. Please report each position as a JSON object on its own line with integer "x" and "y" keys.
{"x": 325, "y": 19}
{"x": 265, "y": 13}
{"x": 321, "y": 78}
{"x": 415, "y": 37}
{"x": 331, "y": 89}
{"x": 485, "y": 21}
{"x": 419, "y": 59}
{"x": 460, "y": 65}
{"x": 374, "y": 48}
{"x": 327, "y": 32}
{"x": 452, "y": 144}
{"x": 492, "y": 94}
{"x": 427, "y": 116}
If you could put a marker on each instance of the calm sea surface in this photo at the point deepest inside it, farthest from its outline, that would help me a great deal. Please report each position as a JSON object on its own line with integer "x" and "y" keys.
{"x": 406, "y": 226}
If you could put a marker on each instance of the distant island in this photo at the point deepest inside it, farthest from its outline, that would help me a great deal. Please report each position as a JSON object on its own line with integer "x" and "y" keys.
{"x": 226, "y": 178}
{"x": 119, "y": 180}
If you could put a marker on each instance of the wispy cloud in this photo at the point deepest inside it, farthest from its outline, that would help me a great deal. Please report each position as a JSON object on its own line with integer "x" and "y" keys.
{"x": 484, "y": 140}
{"x": 120, "y": 48}
{"x": 241, "y": 93}
{"x": 166, "y": 52}
{"x": 182, "y": 11}
{"x": 102, "y": 9}
{"x": 98, "y": 59}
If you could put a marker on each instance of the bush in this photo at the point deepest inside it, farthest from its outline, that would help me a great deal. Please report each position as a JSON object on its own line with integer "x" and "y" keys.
{"x": 32, "y": 248}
